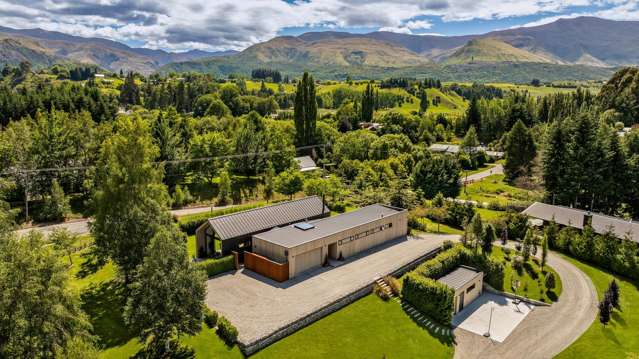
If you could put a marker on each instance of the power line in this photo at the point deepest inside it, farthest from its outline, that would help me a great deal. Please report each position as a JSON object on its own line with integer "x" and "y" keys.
{"x": 16, "y": 171}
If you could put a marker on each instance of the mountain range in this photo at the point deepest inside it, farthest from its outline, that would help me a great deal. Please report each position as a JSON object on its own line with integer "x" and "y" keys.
{"x": 44, "y": 48}
{"x": 578, "y": 48}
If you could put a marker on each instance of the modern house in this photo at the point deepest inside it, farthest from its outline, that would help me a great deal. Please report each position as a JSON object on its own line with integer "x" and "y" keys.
{"x": 577, "y": 218}
{"x": 234, "y": 231}
{"x": 453, "y": 149}
{"x": 286, "y": 252}
{"x": 467, "y": 282}
{"x": 306, "y": 163}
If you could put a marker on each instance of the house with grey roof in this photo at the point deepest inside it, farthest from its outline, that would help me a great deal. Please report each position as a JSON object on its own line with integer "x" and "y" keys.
{"x": 234, "y": 231}
{"x": 288, "y": 251}
{"x": 453, "y": 149}
{"x": 578, "y": 218}
{"x": 467, "y": 283}
{"x": 306, "y": 163}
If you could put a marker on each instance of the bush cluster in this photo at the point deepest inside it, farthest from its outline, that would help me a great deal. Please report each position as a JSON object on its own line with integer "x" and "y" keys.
{"x": 215, "y": 266}
{"x": 430, "y": 297}
{"x": 620, "y": 256}
{"x": 210, "y": 317}
{"x": 380, "y": 292}
{"x": 226, "y": 331}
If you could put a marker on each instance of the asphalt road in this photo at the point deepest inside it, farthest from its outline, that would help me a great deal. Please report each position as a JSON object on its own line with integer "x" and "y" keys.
{"x": 546, "y": 331}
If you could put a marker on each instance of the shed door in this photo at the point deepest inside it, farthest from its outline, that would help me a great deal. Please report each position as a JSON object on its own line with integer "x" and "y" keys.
{"x": 308, "y": 260}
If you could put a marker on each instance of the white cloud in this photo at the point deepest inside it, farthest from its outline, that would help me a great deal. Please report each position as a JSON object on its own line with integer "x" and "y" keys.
{"x": 236, "y": 24}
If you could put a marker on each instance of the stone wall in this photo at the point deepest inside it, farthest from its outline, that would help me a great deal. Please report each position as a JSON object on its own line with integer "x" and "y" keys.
{"x": 251, "y": 348}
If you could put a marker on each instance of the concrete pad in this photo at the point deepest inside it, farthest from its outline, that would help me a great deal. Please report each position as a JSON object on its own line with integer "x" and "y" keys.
{"x": 259, "y": 306}
{"x": 506, "y": 316}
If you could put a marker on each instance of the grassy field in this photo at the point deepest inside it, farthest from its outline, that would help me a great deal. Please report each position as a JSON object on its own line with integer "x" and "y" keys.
{"x": 531, "y": 278}
{"x": 619, "y": 339}
{"x": 368, "y": 328}
{"x": 495, "y": 189}
{"x": 253, "y": 85}
{"x": 434, "y": 227}
{"x": 102, "y": 299}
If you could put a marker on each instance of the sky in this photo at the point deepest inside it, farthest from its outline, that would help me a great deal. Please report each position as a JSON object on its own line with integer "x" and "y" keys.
{"x": 215, "y": 25}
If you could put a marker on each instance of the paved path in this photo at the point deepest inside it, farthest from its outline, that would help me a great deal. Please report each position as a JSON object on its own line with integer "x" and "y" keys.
{"x": 547, "y": 330}
{"x": 495, "y": 170}
{"x": 258, "y": 306}
{"x": 81, "y": 226}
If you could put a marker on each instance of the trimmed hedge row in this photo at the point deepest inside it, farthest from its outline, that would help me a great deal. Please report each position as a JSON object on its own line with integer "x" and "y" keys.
{"x": 448, "y": 260}
{"x": 429, "y": 297}
{"x": 190, "y": 223}
{"x": 215, "y": 266}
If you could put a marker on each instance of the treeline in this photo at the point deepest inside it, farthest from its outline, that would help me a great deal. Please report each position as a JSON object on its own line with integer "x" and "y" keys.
{"x": 267, "y": 74}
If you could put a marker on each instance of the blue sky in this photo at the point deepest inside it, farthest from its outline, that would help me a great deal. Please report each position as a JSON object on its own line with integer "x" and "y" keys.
{"x": 179, "y": 25}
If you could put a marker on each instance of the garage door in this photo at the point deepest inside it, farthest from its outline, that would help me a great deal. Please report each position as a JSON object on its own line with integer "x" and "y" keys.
{"x": 308, "y": 260}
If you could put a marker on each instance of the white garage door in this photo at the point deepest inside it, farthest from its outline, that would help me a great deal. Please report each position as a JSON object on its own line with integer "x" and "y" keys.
{"x": 308, "y": 260}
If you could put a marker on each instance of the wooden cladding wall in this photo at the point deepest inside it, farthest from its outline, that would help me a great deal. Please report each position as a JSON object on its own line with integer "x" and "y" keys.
{"x": 266, "y": 267}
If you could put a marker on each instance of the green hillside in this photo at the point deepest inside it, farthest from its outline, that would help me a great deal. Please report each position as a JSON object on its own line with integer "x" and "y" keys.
{"x": 492, "y": 50}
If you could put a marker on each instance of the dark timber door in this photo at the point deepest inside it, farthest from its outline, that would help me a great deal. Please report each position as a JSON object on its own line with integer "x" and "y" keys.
{"x": 461, "y": 302}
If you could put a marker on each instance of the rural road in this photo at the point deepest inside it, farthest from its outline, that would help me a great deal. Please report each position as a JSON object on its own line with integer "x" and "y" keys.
{"x": 495, "y": 170}
{"x": 547, "y": 331}
{"x": 81, "y": 226}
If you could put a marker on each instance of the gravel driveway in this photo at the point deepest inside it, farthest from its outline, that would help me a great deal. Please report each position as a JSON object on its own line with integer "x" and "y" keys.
{"x": 547, "y": 330}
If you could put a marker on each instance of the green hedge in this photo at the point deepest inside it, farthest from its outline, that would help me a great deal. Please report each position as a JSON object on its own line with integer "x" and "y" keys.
{"x": 430, "y": 297}
{"x": 190, "y": 223}
{"x": 215, "y": 266}
{"x": 210, "y": 317}
{"x": 448, "y": 260}
{"x": 226, "y": 331}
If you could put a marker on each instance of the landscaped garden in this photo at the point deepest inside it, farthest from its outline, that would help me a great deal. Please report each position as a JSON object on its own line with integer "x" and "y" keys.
{"x": 494, "y": 189}
{"x": 368, "y": 328}
{"x": 530, "y": 279}
{"x": 619, "y": 338}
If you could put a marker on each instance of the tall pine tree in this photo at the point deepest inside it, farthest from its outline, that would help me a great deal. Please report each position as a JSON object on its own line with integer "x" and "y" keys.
{"x": 368, "y": 104}
{"x": 554, "y": 166}
{"x": 520, "y": 151}
{"x": 423, "y": 102}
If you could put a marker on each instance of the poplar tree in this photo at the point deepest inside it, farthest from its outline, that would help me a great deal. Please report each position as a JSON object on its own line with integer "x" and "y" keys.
{"x": 305, "y": 111}
{"x": 368, "y": 104}
{"x": 555, "y": 163}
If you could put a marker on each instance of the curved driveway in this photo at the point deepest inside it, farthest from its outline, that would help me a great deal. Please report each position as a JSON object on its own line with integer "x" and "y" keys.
{"x": 546, "y": 331}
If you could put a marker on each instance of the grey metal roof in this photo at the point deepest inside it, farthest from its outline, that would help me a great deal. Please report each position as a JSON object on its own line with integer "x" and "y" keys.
{"x": 290, "y": 236}
{"x": 264, "y": 218}
{"x": 459, "y": 277}
{"x": 575, "y": 218}
{"x": 306, "y": 163}
{"x": 562, "y": 215}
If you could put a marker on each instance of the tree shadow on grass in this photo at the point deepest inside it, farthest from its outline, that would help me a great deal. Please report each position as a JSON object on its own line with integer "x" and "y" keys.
{"x": 174, "y": 351}
{"x": 91, "y": 263}
{"x": 432, "y": 330}
{"x": 552, "y": 295}
{"x": 617, "y": 318}
{"x": 104, "y": 304}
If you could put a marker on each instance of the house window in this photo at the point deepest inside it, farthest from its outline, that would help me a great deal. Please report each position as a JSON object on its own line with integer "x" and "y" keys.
{"x": 469, "y": 289}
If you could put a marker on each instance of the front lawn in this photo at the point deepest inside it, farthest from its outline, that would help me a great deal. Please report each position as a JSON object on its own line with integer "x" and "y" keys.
{"x": 102, "y": 299}
{"x": 368, "y": 328}
{"x": 620, "y": 338}
{"x": 531, "y": 278}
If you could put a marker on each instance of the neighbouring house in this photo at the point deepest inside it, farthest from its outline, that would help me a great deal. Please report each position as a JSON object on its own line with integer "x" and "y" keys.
{"x": 286, "y": 252}
{"x": 306, "y": 163}
{"x": 578, "y": 218}
{"x": 453, "y": 149}
{"x": 467, "y": 282}
{"x": 371, "y": 126}
{"x": 233, "y": 232}
{"x": 98, "y": 76}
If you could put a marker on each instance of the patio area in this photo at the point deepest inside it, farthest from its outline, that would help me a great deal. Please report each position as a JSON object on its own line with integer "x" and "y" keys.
{"x": 507, "y": 314}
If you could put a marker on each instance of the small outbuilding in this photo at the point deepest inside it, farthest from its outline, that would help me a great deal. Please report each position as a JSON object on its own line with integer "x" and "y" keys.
{"x": 297, "y": 248}
{"x": 306, "y": 163}
{"x": 467, "y": 282}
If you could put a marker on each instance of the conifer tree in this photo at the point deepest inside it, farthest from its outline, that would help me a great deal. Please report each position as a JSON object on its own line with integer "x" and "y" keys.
{"x": 368, "y": 104}
{"x": 423, "y": 102}
{"x": 305, "y": 111}
{"x": 520, "y": 151}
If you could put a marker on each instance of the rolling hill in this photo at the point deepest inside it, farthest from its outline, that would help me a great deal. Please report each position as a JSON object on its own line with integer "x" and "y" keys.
{"x": 492, "y": 50}
{"x": 43, "y": 48}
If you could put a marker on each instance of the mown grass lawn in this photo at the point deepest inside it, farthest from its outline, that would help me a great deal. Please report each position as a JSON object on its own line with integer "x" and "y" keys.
{"x": 103, "y": 300}
{"x": 620, "y": 338}
{"x": 434, "y": 227}
{"x": 489, "y": 214}
{"x": 495, "y": 189}
{"x": 368, "y": 328}
{"x": 531, "y": 278}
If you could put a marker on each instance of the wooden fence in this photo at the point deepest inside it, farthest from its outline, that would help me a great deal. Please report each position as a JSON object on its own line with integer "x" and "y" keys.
{"x": 266, "y": 267}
